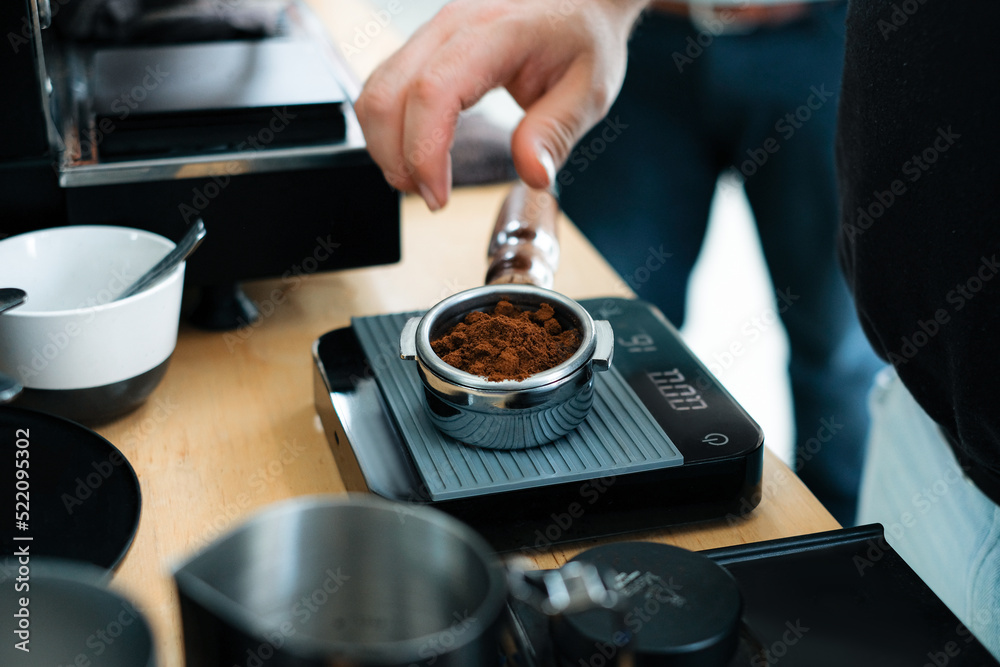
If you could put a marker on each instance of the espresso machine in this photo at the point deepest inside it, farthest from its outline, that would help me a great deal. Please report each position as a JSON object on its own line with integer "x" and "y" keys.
{"x": 141, "y": 115}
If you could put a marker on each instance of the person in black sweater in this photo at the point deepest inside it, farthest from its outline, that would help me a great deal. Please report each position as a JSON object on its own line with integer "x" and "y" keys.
{"x": 919, "y": 170}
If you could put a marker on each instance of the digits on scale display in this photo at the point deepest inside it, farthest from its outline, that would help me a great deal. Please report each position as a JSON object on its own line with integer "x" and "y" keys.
{"x": 679, "y": 394}
{"x": 640, "y": 342}
{"x": 671, "y": 384}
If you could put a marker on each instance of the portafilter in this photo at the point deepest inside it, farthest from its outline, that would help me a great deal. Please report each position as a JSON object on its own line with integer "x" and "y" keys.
{"x": 512, "y": 414}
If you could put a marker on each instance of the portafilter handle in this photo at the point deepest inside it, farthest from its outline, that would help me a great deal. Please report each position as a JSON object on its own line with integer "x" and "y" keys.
{"x": 524, "y": 247}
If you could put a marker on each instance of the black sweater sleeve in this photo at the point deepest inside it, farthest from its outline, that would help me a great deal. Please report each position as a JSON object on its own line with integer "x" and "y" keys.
{"x": 919, "y": 167}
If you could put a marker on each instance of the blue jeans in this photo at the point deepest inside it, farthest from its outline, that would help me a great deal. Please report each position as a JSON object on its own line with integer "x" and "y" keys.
{"x": 934, "y": 517}
{"x": 762, "y": 105}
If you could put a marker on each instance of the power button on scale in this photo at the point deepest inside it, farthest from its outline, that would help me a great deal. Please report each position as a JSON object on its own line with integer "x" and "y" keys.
{"x": 716, "y": 439}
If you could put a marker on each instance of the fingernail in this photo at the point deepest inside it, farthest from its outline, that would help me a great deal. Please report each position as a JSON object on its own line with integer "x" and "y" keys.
{"x": 545, "y": 159}
{"x": 432, "y": 202}
{"x": 448, "y": 178}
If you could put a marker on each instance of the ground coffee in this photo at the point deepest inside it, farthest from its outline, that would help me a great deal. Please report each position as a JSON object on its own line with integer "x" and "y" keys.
{"x": 508, "y": 343}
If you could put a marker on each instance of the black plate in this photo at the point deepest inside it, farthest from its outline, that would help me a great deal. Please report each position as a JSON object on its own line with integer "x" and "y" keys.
{"x": 77, "y": 497}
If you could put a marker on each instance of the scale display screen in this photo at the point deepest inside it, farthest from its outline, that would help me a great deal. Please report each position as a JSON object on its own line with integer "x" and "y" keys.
{"x": 685, "y": 399}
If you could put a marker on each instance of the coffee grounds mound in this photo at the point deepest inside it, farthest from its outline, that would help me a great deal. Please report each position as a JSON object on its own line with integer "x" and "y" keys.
{"x": 508, "y": 343}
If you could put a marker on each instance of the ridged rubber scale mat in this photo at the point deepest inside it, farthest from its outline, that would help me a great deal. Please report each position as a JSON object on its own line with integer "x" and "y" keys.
{"x": 618, "y": 436}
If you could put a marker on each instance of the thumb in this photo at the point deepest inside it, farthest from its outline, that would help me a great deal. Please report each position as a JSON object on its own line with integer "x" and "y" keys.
{"x": 553, "y": 125}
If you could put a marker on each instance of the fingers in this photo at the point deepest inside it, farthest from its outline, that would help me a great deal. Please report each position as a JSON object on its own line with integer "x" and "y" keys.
{"x": 555, "y": 122}
{"x": 381, "y": 106}
{"x": 563, "y": 71}
{"x": 409, "y": 107}
{"x": 454, "y": 79}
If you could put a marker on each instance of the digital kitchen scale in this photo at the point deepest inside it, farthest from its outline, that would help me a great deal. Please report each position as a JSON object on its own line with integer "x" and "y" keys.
{"x": 665, "y": 443}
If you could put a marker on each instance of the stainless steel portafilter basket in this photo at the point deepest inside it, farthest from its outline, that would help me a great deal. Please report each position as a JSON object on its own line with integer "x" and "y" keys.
{"x": 511, "y": 414}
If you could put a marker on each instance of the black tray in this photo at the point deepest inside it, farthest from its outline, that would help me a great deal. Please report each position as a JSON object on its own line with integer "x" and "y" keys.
{"x": 831, "y": 599}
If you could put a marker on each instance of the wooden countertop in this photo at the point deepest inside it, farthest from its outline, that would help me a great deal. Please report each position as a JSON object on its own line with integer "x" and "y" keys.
{"x": 232, "y": 427}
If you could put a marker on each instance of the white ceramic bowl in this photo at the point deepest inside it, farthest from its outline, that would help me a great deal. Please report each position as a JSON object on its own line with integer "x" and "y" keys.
{"x": 78, "y": 352}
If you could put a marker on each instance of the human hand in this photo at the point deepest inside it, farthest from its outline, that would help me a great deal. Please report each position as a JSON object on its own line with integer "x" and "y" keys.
{"x": 563, "y": 61}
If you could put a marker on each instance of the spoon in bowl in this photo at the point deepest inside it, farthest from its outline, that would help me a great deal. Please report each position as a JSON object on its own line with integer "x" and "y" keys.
{"x": 191, "y": 240}
{"x": 9, "y": 298}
